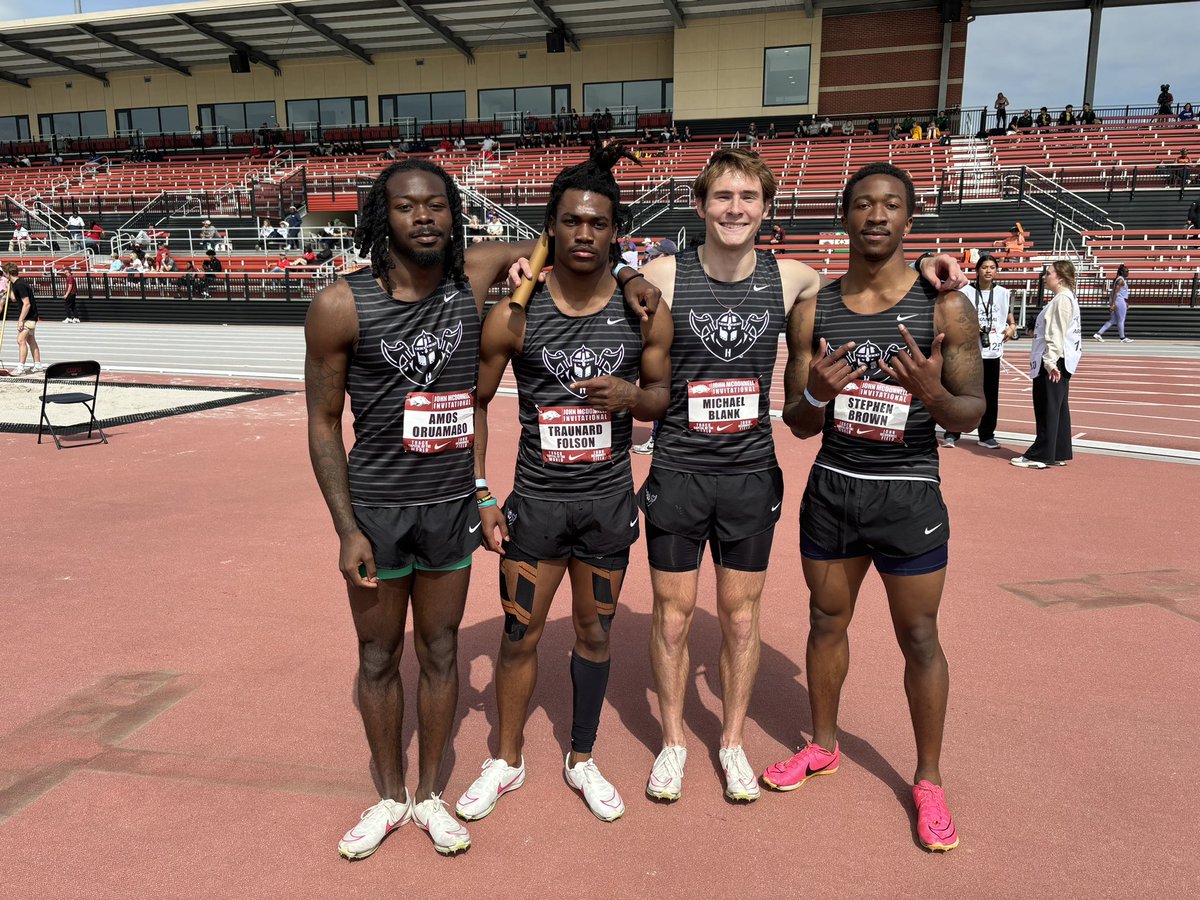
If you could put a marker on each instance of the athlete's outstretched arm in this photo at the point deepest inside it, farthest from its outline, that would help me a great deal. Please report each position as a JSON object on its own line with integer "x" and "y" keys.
{"x": 330, "y": 330}
{"x": 821, "y": 378}
{"x": 950, "y": 380}
{"x": 641, "y": 294}
{"x": 503, "y": 334}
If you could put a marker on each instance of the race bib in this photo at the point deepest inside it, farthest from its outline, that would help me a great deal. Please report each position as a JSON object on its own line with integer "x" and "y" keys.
{"x": 435, "y": 423}
{"x": 723, "y": 407}
{"x": 872, "y": 411}
{"x": 575, "y": 434}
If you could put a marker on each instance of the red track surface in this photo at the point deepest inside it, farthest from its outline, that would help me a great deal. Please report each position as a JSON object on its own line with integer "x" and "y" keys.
{"x": 196, "y": 551}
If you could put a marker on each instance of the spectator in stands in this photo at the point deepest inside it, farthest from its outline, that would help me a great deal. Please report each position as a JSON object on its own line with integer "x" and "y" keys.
{"x": 70, "y": 292}
{"x": 166, "y": 262}
{"x": 847, "y": 128}
{"x": 1001, "y": 105}
{"x": 190, "y": 282}
{"x": 264, "y": 134}
{"x": 1193, "y": 215}
{"x": 1012, "y": 127}
{"x": 460, "y": 145}
{"x": 211, "y": 267}
{"x": 197, "y": 137}
{"x": 293, "y": 222}
{"x": 629, "y": 254}
{"x": 209, "y": 236}
{"x": 56, "y": 159}
{"x": 1186, "y": 114}
{"x": 1166, "y": 100}
{"x": 894, "y": 133}
{"x": 772, "y": 132}
{"x": 607, "y": 120}
{"x": 92, "y": 238}
{"x": 826, "y": 127}
{"x": 136, "y": 267}
{"x": 1181, "y": 172}
{"x": 116, "y": 264}
{"x": 475, "y": 229}
{"x": 1087, "y": 116}
{"x": 1014, "y": 243}
{"x": 75, "y": 229}
{"x": 266, "y": 234}
{"x": 495, "y": 228}
{"x": 686, "y": 134}
{"x": 916, "y": 133}
{"x": 332, "y": 235}
{"x": 390, "y": 153}
{"x": 932, "y": 132}
{"x": 23, "y": 162}
{"x": 873, "y": 126}
{"x": 1066, "y": 118}
{"x": 488, "y": 147}
{"x": 1043, "y": 119}
{"x": 1117, "y": 306}
{"x": 1025, "y": 121}
{"x": 20, "y": 239}
{"x": 444, "y": 145}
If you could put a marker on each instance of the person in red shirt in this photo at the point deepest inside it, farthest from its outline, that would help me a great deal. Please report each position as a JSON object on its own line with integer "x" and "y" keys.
{"x": 162, "y": 253}
{"x": 92, "y": 238}
{"x": 69, "y": 291}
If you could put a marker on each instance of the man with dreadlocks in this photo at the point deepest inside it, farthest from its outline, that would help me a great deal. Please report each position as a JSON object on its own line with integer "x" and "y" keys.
{"x": 576, "y": 355}
{"x": 402, "y": 338}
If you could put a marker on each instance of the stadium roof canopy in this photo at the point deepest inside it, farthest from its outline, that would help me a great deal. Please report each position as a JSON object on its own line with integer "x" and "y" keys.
{"x": 181, "y": 36}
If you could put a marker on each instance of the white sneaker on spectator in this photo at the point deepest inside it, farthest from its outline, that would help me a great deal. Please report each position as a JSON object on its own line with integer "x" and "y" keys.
{"x": 497, "y": 779}
{"x": 20, "y": 370}
{"x": 949, "y": 443}
{"x": 1126, "y": 340}
{"x": 990, "y": 444}
{"x": 376, "y": 823}
{"x": 740, "y": 781}
{"x": 448, "y": 835}
{"x": 1098, "y": 337}
{"x": 39, "y": 367}
{"x": 601, "y": 797}
{"x": 76, "y": 321}
{"x": 666, "y": 776}
{"x": 1023, "y": 463}
{"x": 68, "y": 321}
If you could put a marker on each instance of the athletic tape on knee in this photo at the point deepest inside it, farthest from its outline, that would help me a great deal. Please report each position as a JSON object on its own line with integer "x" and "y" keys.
{"x": 518, "y": 604}
{"x": 589, "y": 682}
{"x": 602, "y": 593}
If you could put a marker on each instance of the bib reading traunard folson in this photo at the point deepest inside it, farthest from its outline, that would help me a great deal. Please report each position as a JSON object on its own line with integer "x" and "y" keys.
{"x": 872, "y": 410}
{"x": 727, "y": 406}
{"x": 434, "y": 423}
{"x": 575, "y": 434}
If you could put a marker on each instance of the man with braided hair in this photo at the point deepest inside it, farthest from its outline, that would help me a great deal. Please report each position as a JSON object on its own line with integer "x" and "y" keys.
{"x": 578, "y": 356}
{"x": 402, "y": 339}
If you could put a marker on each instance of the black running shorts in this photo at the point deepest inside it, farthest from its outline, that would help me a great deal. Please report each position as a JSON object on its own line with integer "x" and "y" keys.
{"x": 848, "y": 516}
{"x": 430, "y": 536}
{"x": 600, "y": 530}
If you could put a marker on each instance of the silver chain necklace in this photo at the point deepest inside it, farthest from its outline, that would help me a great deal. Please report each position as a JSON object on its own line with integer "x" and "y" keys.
{"x": 709, "y": 281}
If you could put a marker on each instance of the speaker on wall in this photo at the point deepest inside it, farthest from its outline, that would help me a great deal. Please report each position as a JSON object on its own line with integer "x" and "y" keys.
{"x": 555, "y": 42}
{"x": 239, "y": 63}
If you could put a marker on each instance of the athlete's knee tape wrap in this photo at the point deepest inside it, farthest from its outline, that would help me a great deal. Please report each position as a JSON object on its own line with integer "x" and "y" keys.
{"x": 602, "y": 592}
{"x": 518, "y": 603}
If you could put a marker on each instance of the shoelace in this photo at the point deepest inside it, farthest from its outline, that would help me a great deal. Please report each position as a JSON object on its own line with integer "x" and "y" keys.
{"x": 380, "y": 807}
{"x": 669, "y": 760}
{"x": 592, "y": 775}
{"x": 741, "y": 765}
{"x": 493, "y": 768}
{"x": 935, "y": 804}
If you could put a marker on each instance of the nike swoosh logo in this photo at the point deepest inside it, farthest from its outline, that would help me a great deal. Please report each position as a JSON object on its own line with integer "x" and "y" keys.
{"x": 443, "y": 446}
{"x": 634, "y": 522}
{"x": 862, "y": 430}
{"x": 450, "y": 296}
{"x": 760, "y": 287}
{"x": 474, "y": 527}
{"x": 776, "y": 506}
{"x": 809, "y": 771}
{"x": 906, "y": 318}
{"x": 933, "y": 529}
{"x": 615, "y": 321}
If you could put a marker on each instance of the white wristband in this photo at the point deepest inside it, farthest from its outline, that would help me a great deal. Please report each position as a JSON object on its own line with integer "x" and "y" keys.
{"x": 814, "y": 401}
{"x": 480, "y": 484}
{"x": 619, "y": 266}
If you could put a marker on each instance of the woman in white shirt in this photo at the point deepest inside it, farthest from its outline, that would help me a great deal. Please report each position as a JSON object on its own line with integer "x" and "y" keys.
{"x": 1053, "y": 359}
{"x": 996, "y": 325}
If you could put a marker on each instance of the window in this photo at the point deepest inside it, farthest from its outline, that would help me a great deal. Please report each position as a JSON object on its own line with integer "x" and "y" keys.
{"x": 436, "y": 107}
{"x": 648, "y": 96}
{"x": 154, "y": 119}
{"x": 14, "y": 128}
{"x": 541, "y": 101}
{"x": 327, "y": 112}
{"x": 237, "y": 116}
{"x": 785, "y": 75}
{"x": 93, "y": 123}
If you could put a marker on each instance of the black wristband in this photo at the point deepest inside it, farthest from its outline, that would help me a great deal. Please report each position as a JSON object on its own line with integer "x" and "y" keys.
{"x": 624, "y": 284}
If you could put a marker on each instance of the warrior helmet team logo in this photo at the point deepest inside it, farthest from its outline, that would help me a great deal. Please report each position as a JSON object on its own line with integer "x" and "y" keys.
{"x": 581, "y": 364}
{"x": 728, "y": 336}
{"x": 868, "y": 354}
{"x": 422, "y": 361}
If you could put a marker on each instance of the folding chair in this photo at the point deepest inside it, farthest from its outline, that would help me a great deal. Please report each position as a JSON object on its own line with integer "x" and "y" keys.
{"x": 71, "y": 371}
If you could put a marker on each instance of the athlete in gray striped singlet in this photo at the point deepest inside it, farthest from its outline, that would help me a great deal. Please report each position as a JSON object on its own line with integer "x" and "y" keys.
{"x": 403, "y": 340}
{"x": 585, "y": 367}
{"x": 872, "y": 365}
{"x": 728, "y": 354}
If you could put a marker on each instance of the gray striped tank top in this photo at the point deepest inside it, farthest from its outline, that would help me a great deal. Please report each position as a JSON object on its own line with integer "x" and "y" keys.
{"x": 569, "y": 450}
{"x": 874, "y": 428}
{"x": 722, "y": 361}
{"x": 412, "y": 391}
